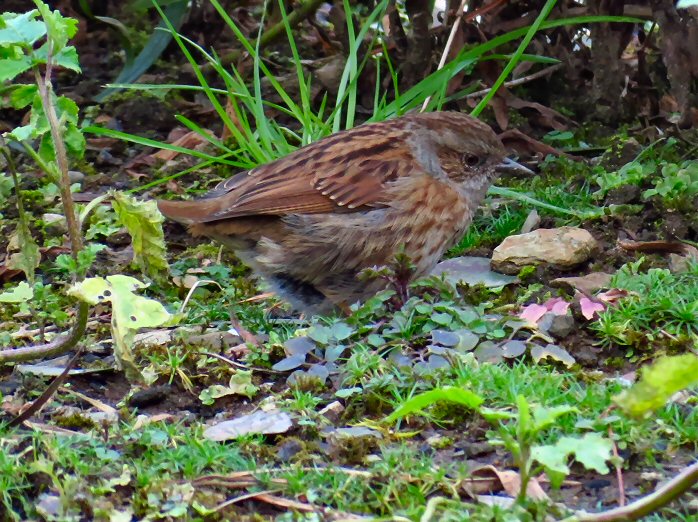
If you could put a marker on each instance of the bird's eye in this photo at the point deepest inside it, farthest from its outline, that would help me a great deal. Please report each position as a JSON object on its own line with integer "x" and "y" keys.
{"x": 471, "y": 160}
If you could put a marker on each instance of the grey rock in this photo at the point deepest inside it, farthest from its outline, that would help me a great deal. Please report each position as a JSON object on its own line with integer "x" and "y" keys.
{"x": 559, "y": 326}
{"x": 55, "y": 223}
{"x": 76, "y": 176}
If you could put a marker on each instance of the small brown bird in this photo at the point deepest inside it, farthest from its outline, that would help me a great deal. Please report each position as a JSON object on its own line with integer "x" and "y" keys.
{"x": 311, "y": 221}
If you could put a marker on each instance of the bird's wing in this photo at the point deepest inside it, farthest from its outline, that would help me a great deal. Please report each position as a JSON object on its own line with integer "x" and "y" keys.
{"x": 343, "y": 173}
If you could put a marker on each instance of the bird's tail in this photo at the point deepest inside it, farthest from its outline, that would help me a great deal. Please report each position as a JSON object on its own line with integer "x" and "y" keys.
{"x": 188, "y": 212}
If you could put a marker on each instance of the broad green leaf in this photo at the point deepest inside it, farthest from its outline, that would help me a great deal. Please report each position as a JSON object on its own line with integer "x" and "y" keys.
{"x": 524, "y": 426}
{"x": 66, "y": 58}
{"x": 320, "y": 333}
{"x": 37, "y": 118}
{"x": 544, "y": 417}
{"x": 11, "y": 68}
{"x": 22, "y": 133}
{"x": 552, "y": 457}
{"x": 22, "y": 29}
{"x": 74, "y": 140}
{"x": 144, "y": 223}
{"x": 495, "y": 414}
{"x": 341, "y": 331}
{"x": 446, "y": 394}
{"x": 95, "y": 290}
{"x": 22, "y": 95}
{"x": 658, "y": 383}
{"x": 60, "y": 28}
{"x": 591, "y": 450}
{"x": 19, "y": 294}
{"x": 66, "y": 109}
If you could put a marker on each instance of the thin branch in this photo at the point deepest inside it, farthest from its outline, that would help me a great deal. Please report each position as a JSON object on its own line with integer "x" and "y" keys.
{"x": 35, "y": 406}
{"x": 454, "y": 29}
{"x": 648, "y": 504}
{"x": 622, "y": 501}
{"x": 449, "y": 43}
{"x": 300, "y": 13}
{"x": 45, "y": 91}
{"x": 58, "y": 346}
{"x": 519, "y": 81}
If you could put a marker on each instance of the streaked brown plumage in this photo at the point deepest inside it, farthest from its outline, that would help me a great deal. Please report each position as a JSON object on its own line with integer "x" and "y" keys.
{"x": 311, "y": 221}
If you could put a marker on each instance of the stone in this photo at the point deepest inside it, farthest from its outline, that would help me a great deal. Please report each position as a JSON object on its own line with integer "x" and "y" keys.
{"x": 472, "y": 271}
{"x": 76, "y": 176}
{"x": 562, "y": 248}
{"x": 587, "y": 284}
{"x": 55, "y": 223}
{"x": 559, "y": 326}
{"x": 332, "y": 411}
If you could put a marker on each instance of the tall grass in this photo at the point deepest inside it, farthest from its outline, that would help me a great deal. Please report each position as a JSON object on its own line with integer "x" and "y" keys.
{"x": 242, "y": 107}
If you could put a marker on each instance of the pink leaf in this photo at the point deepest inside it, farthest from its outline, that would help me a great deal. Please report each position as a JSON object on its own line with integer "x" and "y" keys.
{"x": 590, "y": 308}
{"x": 532, "y": 313}
{"x": 557, "y": 305}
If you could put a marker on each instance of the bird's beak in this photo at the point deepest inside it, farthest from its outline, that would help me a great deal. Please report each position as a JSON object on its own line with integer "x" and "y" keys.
{"x": 509, "y": 166}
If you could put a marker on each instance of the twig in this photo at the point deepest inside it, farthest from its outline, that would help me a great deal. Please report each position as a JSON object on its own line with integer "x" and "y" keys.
{"x": 243, "y": 332}
{"x": 299, "y": 14}
{"x": 619, "y": 470}
{"x": 45, "y": 91}
{"x": 518, "y": 81}
{"x": 240, "y": 365}
{"x": 236, "y": 500}
{"x": 48, "y": 393}
{"x": 58, "y": 346}
{"x": 454, "y": 30}
{"x": 449, "y": 43}
{"x": 648, "y": 504}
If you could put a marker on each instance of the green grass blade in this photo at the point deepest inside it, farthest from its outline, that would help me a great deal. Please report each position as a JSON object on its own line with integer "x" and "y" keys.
{"x": 532, "y": 30}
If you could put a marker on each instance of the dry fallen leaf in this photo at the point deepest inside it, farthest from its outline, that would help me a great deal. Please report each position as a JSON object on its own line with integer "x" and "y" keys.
{"x": 508, "y": 481}
{"x": 260, "y": 422}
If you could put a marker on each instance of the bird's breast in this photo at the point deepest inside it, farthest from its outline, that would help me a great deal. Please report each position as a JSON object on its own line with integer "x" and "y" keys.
{"x": 429, "y": 216}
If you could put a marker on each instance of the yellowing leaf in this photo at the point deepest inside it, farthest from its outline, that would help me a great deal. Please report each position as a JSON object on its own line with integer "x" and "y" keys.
{"x": 129, "y": 313}
{"x": 144, "y": 224}
{"x": 240, "y": 384}
{"x": 28, "y": 256}
{"x": 19, "y": 294}
{"x": 658, "y": 383}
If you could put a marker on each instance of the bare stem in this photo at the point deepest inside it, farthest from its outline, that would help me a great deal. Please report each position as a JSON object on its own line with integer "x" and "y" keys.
{"x": 447, "y": 47}
{"x": 62, "y": 343}
{"x": 58, "y": 346}
{"x": 45, "y": 91}
{"x": 518, "y": 81}
{"x": 648, "y": 504}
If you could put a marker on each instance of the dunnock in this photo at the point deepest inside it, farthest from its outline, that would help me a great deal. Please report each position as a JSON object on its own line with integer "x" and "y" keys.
{"x": 311, "y": 221}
